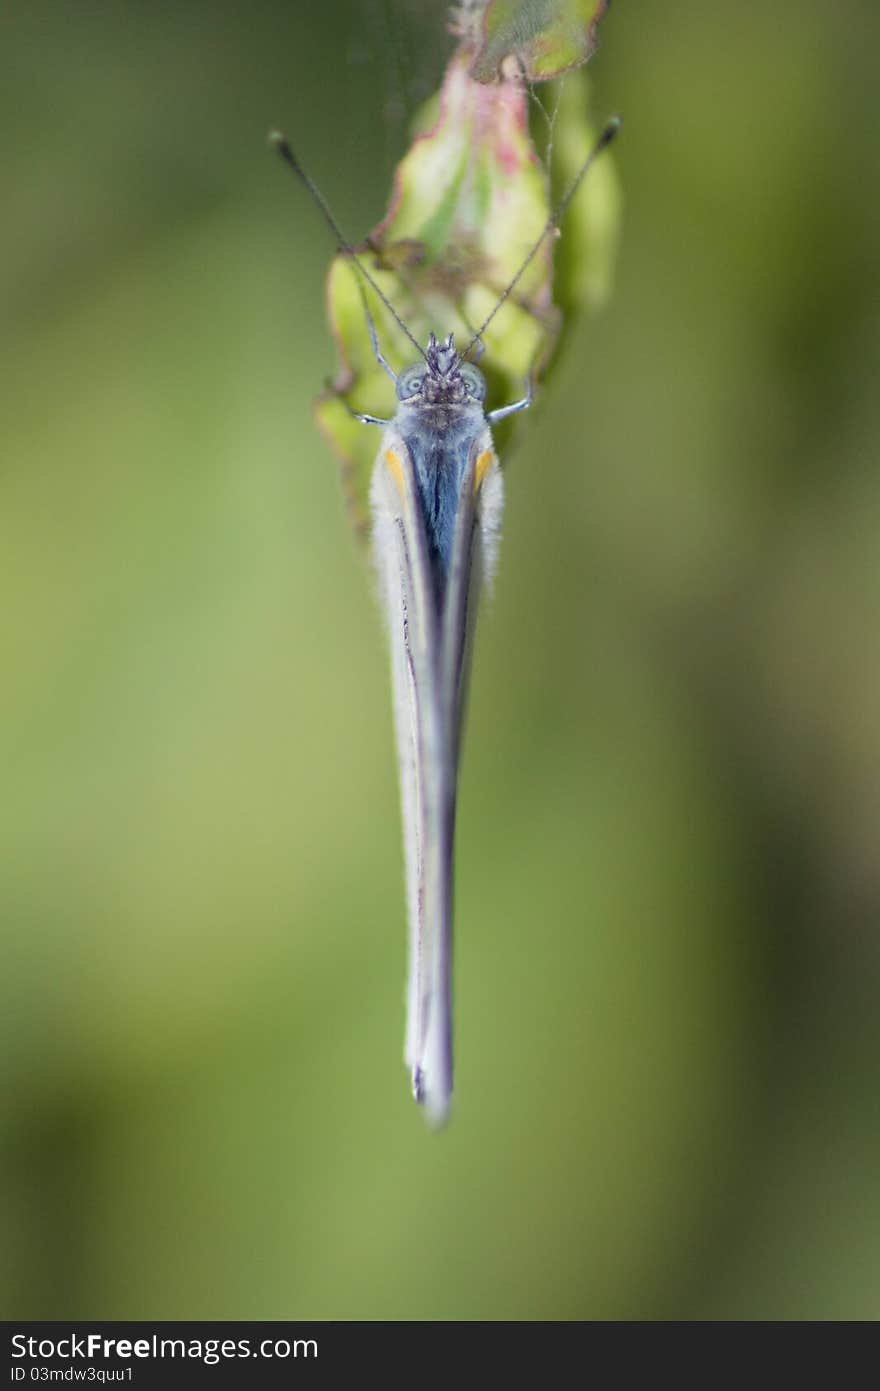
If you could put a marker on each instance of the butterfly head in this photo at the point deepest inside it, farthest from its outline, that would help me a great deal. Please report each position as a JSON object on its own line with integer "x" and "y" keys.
{"x": 443, "y": 379}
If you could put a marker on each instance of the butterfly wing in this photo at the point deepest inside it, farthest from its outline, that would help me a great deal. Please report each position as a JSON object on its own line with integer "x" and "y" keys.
{"x": 407, "y": 590}
{"x": 474, "y": 554}
{"x": 430, "y": 643}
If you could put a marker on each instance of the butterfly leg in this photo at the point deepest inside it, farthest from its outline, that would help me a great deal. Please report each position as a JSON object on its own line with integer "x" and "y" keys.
{"x": 374, "y": 341}
{"x": 383, "y": 363}
{"x": 503, "y": 412}
{"x": 355, "y": 415}
{"x": 479, "y": 349}
{"x": 374, "y": 337}
{"x": 365, "y": 419}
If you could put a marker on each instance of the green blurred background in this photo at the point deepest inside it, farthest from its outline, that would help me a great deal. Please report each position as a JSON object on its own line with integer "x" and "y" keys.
{"x": 667, "y": 957}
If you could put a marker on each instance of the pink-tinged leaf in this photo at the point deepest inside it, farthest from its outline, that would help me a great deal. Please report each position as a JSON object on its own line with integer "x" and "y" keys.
{"x": 537, "y": 38}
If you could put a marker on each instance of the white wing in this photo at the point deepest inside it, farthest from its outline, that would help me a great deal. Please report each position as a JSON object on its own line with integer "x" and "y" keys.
{"x": 430, "y": 651}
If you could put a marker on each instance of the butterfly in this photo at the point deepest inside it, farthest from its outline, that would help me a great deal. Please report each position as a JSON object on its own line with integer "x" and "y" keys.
{"x": 436, "y": 502}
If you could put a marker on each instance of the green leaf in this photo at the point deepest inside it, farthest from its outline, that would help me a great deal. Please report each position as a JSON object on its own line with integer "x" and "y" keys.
{"x": 543, "y": 38}
{"x": 587, "y": 250}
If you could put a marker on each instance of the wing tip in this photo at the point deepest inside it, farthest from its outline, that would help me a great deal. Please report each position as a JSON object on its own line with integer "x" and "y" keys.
{"x": 436, "y": 1105}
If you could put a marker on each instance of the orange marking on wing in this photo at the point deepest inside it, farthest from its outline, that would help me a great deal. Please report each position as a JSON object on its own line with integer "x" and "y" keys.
{"x": 482, "y": 467}
{"x": 392, "y": 459}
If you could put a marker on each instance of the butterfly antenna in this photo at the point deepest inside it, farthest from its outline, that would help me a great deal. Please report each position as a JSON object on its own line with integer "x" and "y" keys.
{"x": 553, "y": 222}
{"x": 282, "y": 145}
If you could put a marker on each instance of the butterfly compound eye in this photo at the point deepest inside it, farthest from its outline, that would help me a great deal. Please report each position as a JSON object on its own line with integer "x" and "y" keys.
{"x": 474, "y": 381}
{"x": 409, "y": 383}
